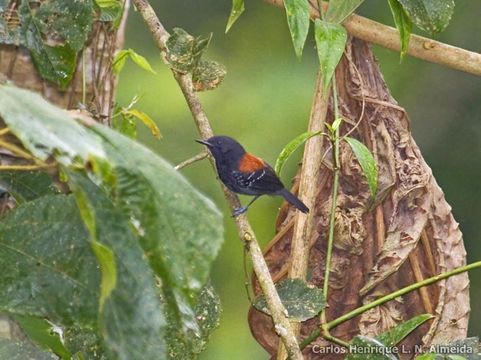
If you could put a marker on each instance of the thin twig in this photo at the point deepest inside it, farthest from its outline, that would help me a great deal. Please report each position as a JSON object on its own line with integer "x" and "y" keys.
{"x": 194, "y": 159}
{"x": 16, "y": 150}
{"x": 4, "y": 131}
{"x": 332, "y": 218}
{"x": 382, "y": 300}
{"x": 276, "y": 308}
{"x": 26, "y": 167}
{"x": 419, "y": 47}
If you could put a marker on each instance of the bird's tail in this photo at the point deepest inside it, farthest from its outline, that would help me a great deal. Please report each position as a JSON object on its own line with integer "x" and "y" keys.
{"x": 292, "y": 199}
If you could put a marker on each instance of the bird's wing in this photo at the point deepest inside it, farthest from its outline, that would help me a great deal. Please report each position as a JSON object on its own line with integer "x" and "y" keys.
{"x": 263, "y": 181}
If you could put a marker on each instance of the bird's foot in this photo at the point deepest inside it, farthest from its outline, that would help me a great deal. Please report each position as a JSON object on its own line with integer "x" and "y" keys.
{"x": 239, "y": 211}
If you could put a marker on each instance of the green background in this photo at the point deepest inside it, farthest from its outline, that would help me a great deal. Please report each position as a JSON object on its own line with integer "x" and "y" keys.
{"x": 264, "y": 102}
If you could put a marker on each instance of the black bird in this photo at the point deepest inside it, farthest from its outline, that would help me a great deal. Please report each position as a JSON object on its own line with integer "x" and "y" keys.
{"x": 246, "y": 174}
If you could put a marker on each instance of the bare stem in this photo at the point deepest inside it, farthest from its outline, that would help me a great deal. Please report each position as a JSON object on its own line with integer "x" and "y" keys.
{"x": 192, "y": 160}
{"x": 419, "y": 47}
{"x": 16, "y": 150}
{"x": 277, "y": 309}
{"x": 26, "y": 167}
{"x": 332, "y": 219}
{"x": 362, "y": 309}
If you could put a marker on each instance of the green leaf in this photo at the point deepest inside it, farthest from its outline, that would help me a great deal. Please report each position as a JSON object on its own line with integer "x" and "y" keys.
{"x": 68, "y": 22}
{"x": 119, "y": 61}
{"x": 47, "y": 129}
{"x": 399, "y": 332}
{"x": 235, "y": 13}
{"x": 53, "y": 274}
{"x": 403, "y": 24}
{"x": 146, "y": 119}
{"x": 43, "y": 333}
{"x": 208, "y": 75}
{"x": 142, "y": 62}
{"x": 27, "y": 185}
{"x": 125, "y": 124}
{"x": 429, "y": 15}
{"x": 15, "y": 350}
{"x": 207, "y": 315}
{"x": 365, "y": 348}
{"x": 367, "y": 162}
{"x": 339, "y": 10}
{"x": 84, "y": 344}
{"x": 131, "y": 319}
{"x": 336, "y": 124}
{"x": 179, "y": 229}
{"x": 330, "y": 41}
{"x": 297, "y": 12}
{"x": 291, "y": 146}
{"x": 184, "y": 51}
{"x": 302, "y": 301}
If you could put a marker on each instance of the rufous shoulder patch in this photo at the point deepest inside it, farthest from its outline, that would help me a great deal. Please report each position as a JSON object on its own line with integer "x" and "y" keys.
{"x": 250, "y": 163}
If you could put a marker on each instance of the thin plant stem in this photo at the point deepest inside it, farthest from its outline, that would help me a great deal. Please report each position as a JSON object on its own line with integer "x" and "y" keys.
{"x": 84, "y": 80}
{"x": 16, "y": 150}
{"x": 192, "y": 160}
{"x": 26, "y": 167}
{"x": 362, "y": 309}
{"x": 335, "y": 190}
{"x": 4, "y": 131}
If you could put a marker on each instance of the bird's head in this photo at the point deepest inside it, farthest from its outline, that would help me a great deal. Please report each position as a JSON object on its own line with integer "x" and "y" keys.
{"x": 223, "y": 147}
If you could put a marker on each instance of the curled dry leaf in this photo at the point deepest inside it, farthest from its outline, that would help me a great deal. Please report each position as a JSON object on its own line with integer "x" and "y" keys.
{"x": 409, "y": 233}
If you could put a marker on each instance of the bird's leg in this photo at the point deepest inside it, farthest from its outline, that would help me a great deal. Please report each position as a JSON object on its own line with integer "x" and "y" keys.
{"x": 243, "y": 209}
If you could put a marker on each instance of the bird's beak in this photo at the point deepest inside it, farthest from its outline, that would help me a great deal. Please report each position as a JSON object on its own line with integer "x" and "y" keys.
{"x": 204, "y": 142}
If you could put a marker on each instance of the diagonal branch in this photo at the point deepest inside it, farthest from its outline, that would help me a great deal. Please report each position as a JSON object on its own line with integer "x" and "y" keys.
{"x": 419, "y": 46}
{"x": 277, "y": 309}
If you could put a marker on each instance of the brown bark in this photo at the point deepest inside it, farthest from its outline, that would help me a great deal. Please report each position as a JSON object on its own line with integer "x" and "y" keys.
{"x": 410, "y": 233}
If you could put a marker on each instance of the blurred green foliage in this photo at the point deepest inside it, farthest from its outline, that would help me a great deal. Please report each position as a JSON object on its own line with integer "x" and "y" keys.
{"x": 264, "y": 102}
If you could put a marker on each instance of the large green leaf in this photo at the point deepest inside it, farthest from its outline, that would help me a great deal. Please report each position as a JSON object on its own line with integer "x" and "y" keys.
{"x": 27, "y": 185}
{"x": 46, "y": 129}
{"x": 48, "y": 269}
{"x": 297, "y": 12}
{"x": 235, "y": 13}
{"x": 301, "y": 301}
{"x": 430, "y": 15}
{"x": 403, "y": 24}
{"x": 399, "y": 332}
{"x": 330, "y": 41}
{"x": 367, "y": 162}
{"x": 383, "y": 346}
{"x": 131, "y": 318}
{"x": 14, "y": 350}
{"x": 292, "y": 146}
{"x": 339, "y": 10}
{"x": 207, "y": 315}
{"x": 179, "y": 229}
{"x": 43, "y": 333}
{"x": 68, "y": 23}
